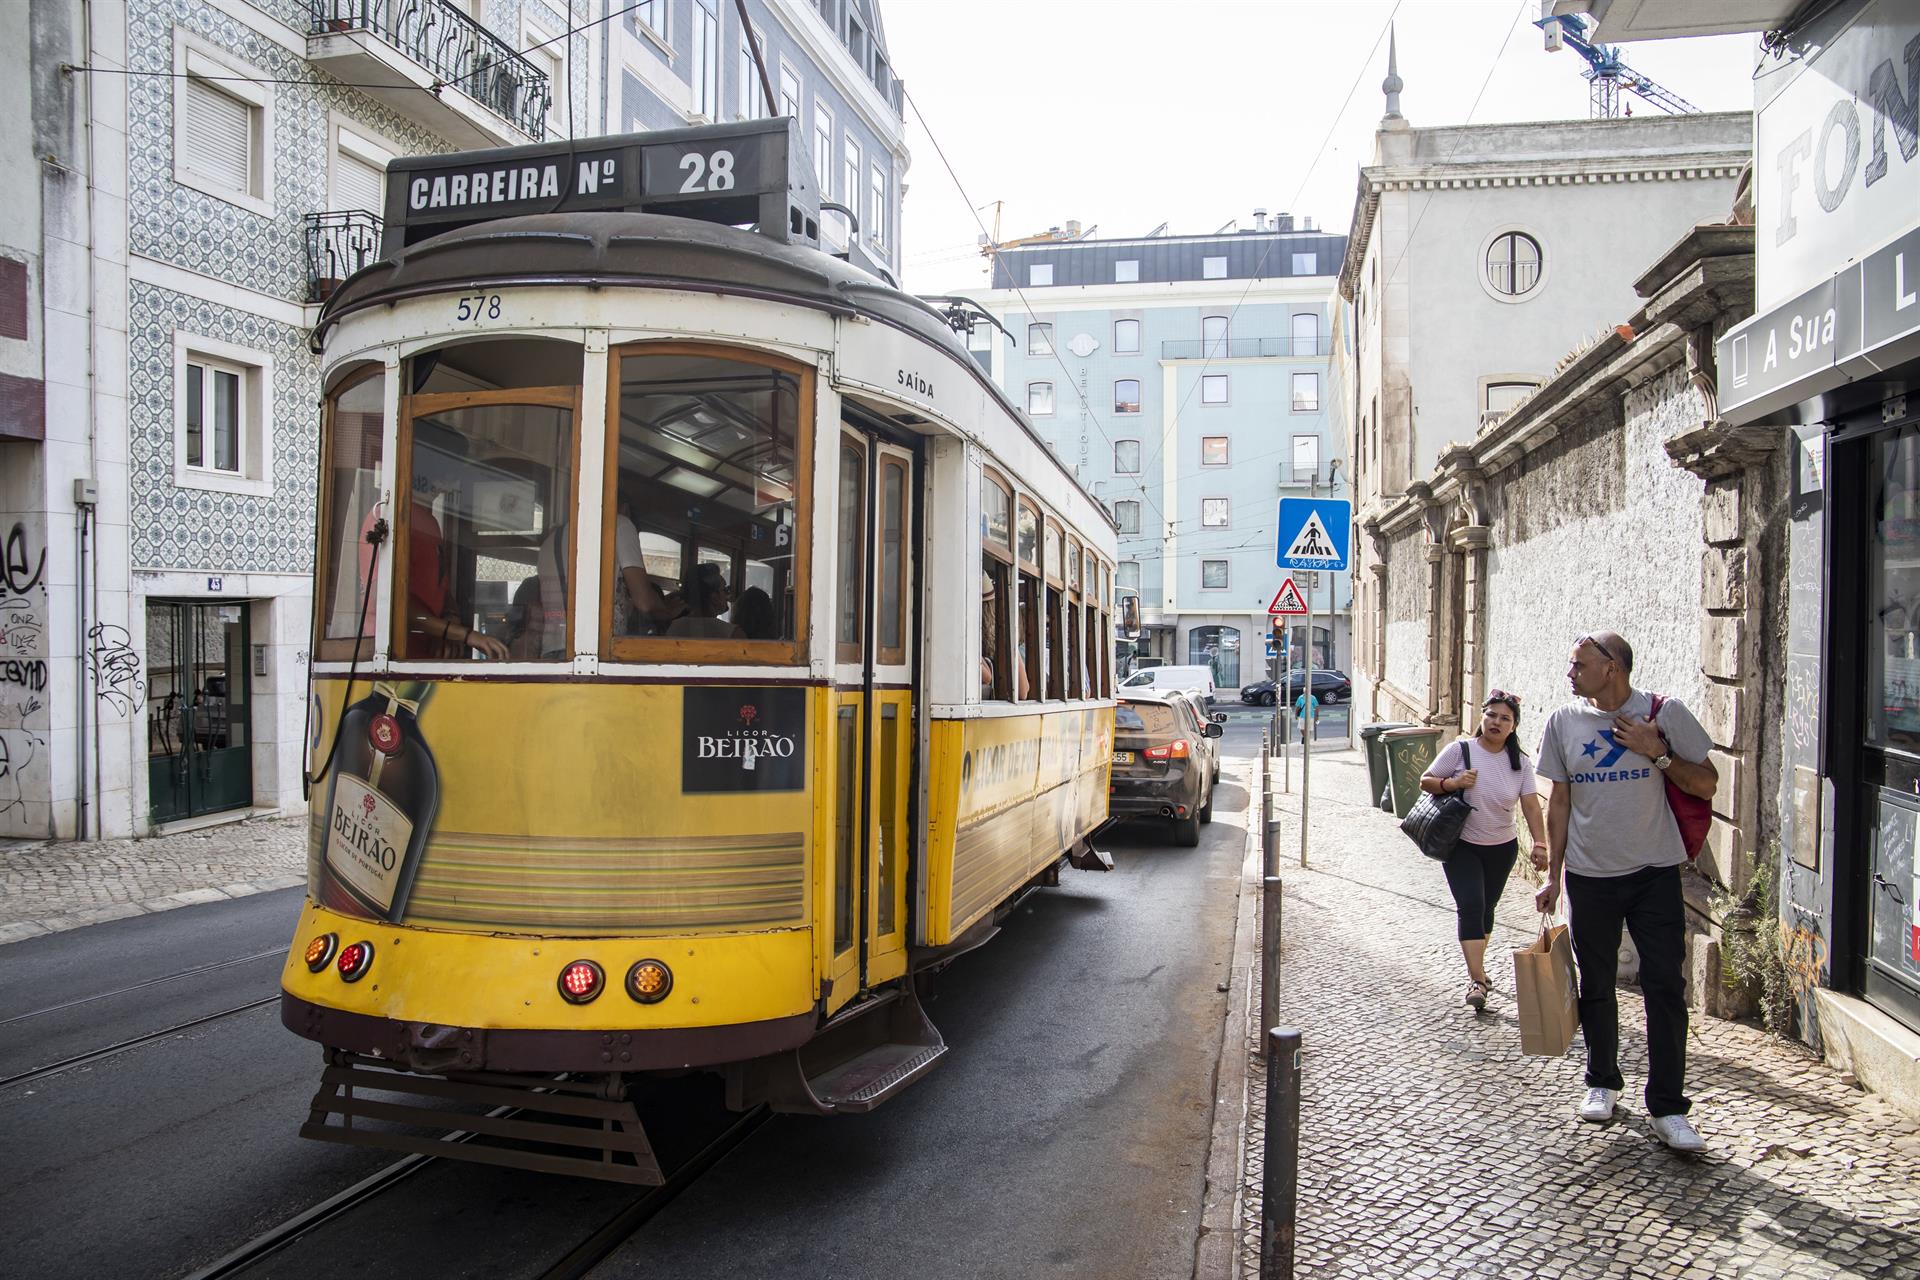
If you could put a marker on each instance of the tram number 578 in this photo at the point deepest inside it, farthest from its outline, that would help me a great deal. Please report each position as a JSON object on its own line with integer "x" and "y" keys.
{"x": 707, "y": 173}
{"x": 478, "y": 306}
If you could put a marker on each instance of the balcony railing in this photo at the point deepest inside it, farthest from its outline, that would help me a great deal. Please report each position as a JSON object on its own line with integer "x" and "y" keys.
{"x": 459, "y": 52}
{"x": 338, "y": 244}
{"x": 1245, "y": 348}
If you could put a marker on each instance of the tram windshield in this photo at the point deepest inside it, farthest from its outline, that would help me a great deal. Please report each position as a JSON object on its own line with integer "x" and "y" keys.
{"x": 704, "y": 505}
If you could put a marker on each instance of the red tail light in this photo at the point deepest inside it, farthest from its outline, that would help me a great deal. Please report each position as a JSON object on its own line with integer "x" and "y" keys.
{"x": 580, "y": 982}
{"x": 354, "y": 961}
{"x": 1175, "y": 750}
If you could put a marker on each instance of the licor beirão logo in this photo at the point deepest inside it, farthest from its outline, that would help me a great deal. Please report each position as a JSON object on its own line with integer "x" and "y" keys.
{"x": 747, "y": 744}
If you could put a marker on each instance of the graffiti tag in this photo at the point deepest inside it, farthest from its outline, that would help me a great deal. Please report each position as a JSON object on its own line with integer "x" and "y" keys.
{"x": 19, "y": 570}
{"x": 115, "y": 667}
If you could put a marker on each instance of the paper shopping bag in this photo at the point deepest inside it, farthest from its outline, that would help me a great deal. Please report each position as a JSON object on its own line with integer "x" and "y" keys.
{"x": 1545, "y": 992}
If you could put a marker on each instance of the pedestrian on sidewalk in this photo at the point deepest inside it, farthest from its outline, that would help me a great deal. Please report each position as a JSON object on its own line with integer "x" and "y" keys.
{"x": 1483, "y": 859}
{"x": 1610, "y": 829}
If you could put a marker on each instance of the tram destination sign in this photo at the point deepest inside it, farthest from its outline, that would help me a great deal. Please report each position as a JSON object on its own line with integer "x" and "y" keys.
{"x": 746, "y": 174}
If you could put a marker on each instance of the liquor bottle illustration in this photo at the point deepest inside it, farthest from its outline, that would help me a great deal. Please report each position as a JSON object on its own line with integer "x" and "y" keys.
{"x": 381, "y": 804}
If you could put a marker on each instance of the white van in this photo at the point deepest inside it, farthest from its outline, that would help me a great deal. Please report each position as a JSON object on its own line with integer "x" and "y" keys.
{"x": 1197, "y": 681}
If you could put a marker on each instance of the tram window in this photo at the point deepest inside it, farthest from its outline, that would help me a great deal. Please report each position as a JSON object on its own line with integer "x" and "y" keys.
{"x": 1030, "y": 636}
{"x": 893, "y": 506}
{"x": 1056, "y": 635}
{"x": 485, "y": 533}
{"x": 1075, "y": 682}
{"x": 704, "y": 498}
{"x": 849, "y": 552}
{"x": 498, "y": 364}
{"x": 351, "y": 500}
{"x": 1027, "y": 537}
{"x": 996, "y": 666}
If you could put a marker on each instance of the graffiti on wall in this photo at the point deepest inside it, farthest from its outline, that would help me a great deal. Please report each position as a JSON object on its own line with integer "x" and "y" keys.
{"x": 115, "y": 668}
{"x": 24, "y": 678}
{"x": 19, "y": 750}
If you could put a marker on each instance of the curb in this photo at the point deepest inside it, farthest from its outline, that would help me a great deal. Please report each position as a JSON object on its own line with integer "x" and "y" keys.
{"x": 21, "y": 930}
{"x": 1217, "y": 1254}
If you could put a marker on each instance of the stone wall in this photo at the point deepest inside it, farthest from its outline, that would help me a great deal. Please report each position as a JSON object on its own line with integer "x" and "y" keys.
{"x": 1408, "y": 620}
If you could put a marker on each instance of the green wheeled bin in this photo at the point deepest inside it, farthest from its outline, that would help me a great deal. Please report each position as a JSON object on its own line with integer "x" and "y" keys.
{"x": 1377, "y": 758}
{"x": 1409, "y": 751}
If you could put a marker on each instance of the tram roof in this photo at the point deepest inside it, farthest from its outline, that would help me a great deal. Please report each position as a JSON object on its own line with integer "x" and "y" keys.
{"x": 647, "y": 250}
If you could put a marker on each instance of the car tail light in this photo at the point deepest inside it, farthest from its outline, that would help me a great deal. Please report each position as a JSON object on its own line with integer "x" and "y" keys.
{"x": 1175, "y": 750}
{"x": 320, "y": 951}
{"x": 581, "y": 981}
{"x": 649, "y": 981}
{"x": 354, "y": 961}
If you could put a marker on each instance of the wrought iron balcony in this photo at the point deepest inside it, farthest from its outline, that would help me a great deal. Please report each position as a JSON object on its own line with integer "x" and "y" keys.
{"x": 1246, "y": 348}
{"x": 457, "y": 52}
{"x": 338, "y": 244}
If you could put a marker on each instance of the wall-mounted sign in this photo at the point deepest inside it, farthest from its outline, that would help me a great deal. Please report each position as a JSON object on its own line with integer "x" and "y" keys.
{"x": 743, "y": 738}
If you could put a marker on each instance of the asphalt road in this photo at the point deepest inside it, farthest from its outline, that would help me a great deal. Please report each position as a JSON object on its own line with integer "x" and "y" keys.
{"x": 1065, "y": 1133}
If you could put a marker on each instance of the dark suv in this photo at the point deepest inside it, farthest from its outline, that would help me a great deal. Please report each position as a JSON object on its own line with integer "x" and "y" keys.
{"x": 1162, "y": 763}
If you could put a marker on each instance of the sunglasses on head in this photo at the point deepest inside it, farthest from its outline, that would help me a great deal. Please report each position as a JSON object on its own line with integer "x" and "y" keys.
{"x": 1604, "y": 651}
{"x": 1501, "y": 695}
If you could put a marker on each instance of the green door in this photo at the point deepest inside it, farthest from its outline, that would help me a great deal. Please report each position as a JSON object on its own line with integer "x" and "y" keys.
{"x": 199, "y": 709}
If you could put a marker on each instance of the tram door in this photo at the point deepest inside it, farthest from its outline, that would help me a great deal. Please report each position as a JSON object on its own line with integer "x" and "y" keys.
{"x": 872, "y": 736}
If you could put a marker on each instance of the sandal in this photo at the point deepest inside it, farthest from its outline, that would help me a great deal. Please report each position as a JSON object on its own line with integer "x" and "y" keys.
{"x": 1477, "y": 995}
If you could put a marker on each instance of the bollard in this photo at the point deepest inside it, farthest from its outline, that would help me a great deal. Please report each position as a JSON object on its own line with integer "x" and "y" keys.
{"x": 1280, "y": 1178}
{"x": 1269, "y": 848}
{"x": 1270, "y": 903}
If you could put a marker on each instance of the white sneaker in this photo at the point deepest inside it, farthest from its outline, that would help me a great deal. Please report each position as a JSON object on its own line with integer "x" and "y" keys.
{"x": 1678, "y": 1133}
{"x": 1597, "y": 1106}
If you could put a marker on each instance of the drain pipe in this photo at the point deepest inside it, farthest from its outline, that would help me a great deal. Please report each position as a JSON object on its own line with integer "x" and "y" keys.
{"x": 80, "y": 685}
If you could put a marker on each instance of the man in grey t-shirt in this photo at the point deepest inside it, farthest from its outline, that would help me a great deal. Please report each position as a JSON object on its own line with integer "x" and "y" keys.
{"x": 1610, "y": 829}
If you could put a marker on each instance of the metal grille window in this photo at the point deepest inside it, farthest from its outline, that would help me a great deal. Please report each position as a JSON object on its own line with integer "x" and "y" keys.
{"x": 1213, "y": 388}
{"x": 1126, "y": 337}
{"x": 1306, "y": 392}
{"x": 1039, "y": 398}
{"x": 1513, "y": 264}
{"x": 1039, "y": 339}
{"x": 1126, "y": 395}
{"x": 220, "y": 137}
{"x": 1126, "y": 457}
{"x": 1213, "y": 513}
{"x": 1126, "y": 515}
{"x": 215, "y": 422}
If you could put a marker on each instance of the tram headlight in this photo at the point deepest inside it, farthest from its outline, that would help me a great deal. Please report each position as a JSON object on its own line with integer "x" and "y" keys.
{"x": 354, "y": 961}
{"x": 649, "y": 981}
{"x": 320, "y": 951}
{"x": 581, "y": 982}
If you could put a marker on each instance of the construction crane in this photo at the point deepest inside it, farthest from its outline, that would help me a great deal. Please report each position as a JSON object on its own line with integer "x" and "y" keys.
{"x": 1606, "y": 74}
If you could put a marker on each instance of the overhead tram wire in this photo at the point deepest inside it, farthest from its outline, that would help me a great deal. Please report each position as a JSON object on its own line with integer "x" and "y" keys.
{"x": 1260, "y": 267}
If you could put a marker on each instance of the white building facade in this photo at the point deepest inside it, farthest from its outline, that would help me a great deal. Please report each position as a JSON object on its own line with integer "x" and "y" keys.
{"x": 1185, "y": 380}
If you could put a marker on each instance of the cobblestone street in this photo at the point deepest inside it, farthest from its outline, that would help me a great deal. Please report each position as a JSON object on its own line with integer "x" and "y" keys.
{"x": 1430, "y": 1146}
{"x": 45, "y": 888}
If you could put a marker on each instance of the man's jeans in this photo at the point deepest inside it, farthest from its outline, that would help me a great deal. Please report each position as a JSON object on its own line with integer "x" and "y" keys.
{"x": 1648, "y": 901}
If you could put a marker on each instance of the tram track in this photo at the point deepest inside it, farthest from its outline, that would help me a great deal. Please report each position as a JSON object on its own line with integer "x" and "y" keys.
{"x": 194, "y": 972}
{"x": 133, "y": 1042}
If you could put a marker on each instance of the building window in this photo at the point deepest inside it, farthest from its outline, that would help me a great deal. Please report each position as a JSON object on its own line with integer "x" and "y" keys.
{"x": 359, "y": 177}
{"x": 222, "y": 397}
{"x": 1126, "y": 575}
{"x": 1213, "y": 451}
{"x": 1039, "y": 339}
{"x": 1126, "y": 337}
{"x": 1039, "y": 398}
{"x": 1213, "y": 575}
{"x": 1126, "y": 395}
{"x": 1126, "y": 515}
{"x": 1213, "y": 268}
{"x": 1213, "y": 513}
{"x": 753, "y": 95}
{"x": 550, "y": 58}
{"x": 1306, "y": 392}
{"x": 652, "y": 15}
{"x": 1213, "y": 388}
{"x": 1040, "y": 273}
{"x": 877, "y": 212}
{"x": 1306, "y": 334}
{"x": 1306, "y": 459}
{"x": 1513, "y": 264}
{"x": 1126, "y": 457}
{"x": 980, "y": 336}
{"x": 823, "y": 148}
{"x": 1219, "y": 648}
{"x": 1306, "y": 264}
{"x": 1126, "y": 271}
{"x": 222, "y": 129}
{"x": 1213, "y": 337}
{"x": 850, "y": 172}
{"x": 1503, "y": 396}
{"x": 706, "y": 60}
{"x": 790, "y": 105}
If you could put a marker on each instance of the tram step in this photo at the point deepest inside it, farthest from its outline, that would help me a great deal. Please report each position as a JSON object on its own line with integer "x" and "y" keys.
{"x": 876, "y": 1075}
{"x": 863, "y": 1057}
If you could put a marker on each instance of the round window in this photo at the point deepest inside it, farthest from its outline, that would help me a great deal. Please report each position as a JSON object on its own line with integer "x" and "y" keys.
{"x": 1513, "y": 264}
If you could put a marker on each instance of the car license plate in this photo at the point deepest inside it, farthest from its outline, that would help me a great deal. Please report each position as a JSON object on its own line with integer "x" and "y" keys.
{"x": 1123, "y": 757}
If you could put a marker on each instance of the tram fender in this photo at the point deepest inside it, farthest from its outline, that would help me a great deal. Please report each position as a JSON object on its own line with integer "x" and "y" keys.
{"x": 1084, "y": 857}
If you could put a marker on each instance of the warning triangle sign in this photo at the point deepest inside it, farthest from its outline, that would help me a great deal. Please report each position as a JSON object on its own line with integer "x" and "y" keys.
{"x": 1287, "y": 600}
{"x": 1313, "y": 542}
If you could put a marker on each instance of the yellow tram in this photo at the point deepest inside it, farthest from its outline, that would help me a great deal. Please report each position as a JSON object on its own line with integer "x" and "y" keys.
{"x": 704, "y": 650}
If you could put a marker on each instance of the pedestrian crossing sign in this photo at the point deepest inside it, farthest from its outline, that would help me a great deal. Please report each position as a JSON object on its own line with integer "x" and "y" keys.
{"x": 1287, "y": 600}
{"x": 1314, "y": 533}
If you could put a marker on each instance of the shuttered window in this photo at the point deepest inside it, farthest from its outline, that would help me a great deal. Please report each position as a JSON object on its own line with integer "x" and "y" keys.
{"x": 356, "y": 184}
{"x": 218, "y": 136}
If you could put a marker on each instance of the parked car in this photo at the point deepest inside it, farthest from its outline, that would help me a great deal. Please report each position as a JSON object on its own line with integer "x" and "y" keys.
{"x": 1203, "y": 717}
{"x": 1162, "y": 763}
{"x": 1328, "y": 686}
{"x": 1189, "y": 679}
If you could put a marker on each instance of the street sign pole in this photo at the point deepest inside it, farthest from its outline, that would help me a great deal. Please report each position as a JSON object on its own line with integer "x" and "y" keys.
{"x": 1306, "y": 705}
{"x": 1314, "y": 535}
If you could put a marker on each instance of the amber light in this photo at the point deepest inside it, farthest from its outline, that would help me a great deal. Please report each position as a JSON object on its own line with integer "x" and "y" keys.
{"x": 649, "y": 981}
{"x": 320, "y": 951}
{"x": 581, "y": 981}
{"x": 354, "y": 961}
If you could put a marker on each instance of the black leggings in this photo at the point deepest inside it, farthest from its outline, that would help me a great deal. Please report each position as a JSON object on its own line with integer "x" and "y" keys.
{"x": 1477, "y": 874}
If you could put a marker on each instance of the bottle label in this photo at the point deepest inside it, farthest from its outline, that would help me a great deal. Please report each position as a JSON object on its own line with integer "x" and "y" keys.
{"x": 367, "y": 837}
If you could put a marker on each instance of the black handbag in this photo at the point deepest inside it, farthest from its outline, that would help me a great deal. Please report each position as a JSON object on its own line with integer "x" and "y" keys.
{"x": 1434, "y": 822}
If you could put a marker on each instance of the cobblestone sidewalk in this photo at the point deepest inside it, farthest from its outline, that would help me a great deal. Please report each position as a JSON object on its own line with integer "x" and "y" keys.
{"x": 1431, "y": 1147}
{"x": 45, "y": 888}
